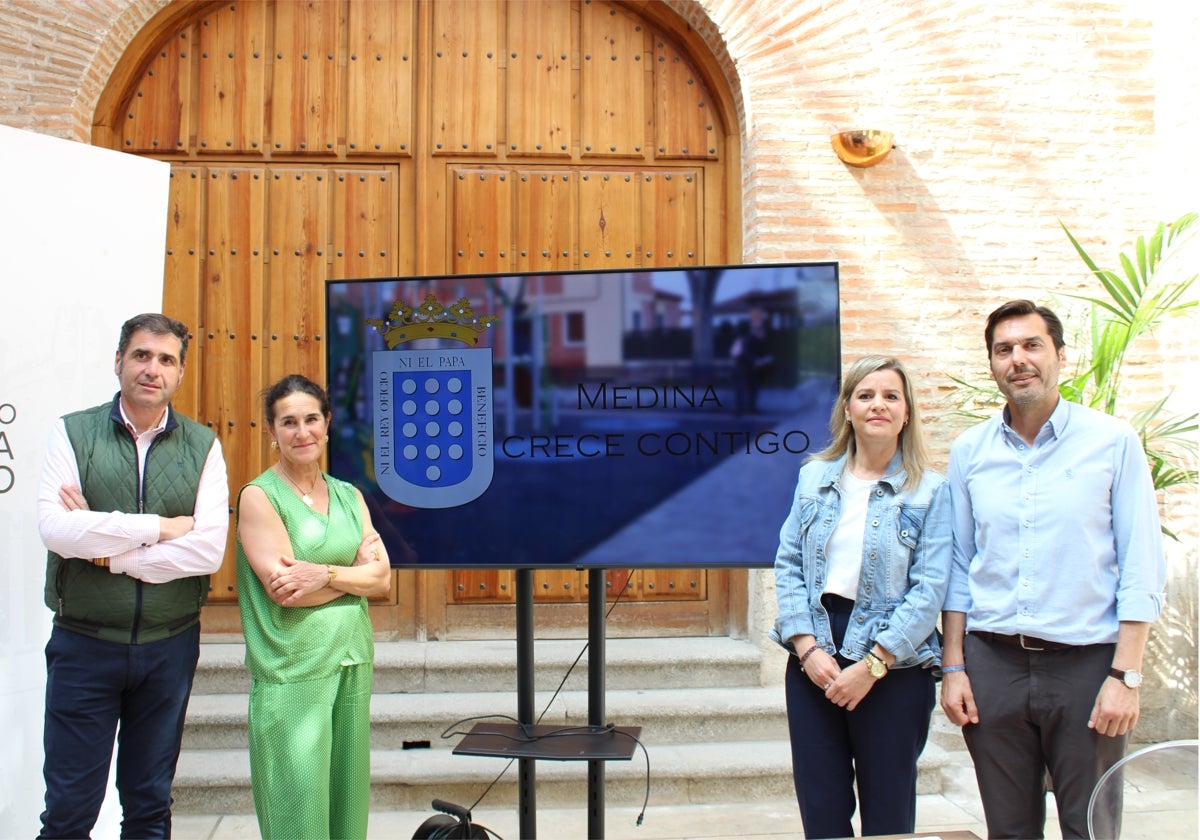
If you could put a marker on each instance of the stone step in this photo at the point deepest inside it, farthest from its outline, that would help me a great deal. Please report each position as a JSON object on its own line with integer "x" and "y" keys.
{"x": 464, "y": 666}
{"x": 697, "y": 715}
{"x": 711, "y": 711}
{"x": 944, "y": 733}
{"x": 218, "y": 781}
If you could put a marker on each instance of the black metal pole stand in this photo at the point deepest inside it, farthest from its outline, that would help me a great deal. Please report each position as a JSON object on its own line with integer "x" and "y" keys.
{"x": 596, "y": 654}
{"x": 527, "y": 774}
{"x": 526, "y": 767}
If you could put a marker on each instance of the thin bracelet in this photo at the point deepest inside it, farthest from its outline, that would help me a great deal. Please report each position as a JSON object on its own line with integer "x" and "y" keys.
{"x": 807, "y": 654}
{"x": 950, "y": 669}
{"x": 332, "y": 576}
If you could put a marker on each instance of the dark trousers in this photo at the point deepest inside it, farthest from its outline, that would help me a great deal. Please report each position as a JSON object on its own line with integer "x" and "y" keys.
{"x": 745, "y": 390}
{"x": 1033, "y": 714}
{"x": 876, "y": 746}
{"x": 92, "y": 685}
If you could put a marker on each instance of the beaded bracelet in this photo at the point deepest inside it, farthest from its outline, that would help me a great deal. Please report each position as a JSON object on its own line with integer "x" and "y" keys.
{"x": 807, "y": 654}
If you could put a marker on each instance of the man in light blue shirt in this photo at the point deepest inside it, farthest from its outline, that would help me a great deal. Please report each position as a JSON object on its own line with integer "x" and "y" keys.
{"x": 1058, "y": 572}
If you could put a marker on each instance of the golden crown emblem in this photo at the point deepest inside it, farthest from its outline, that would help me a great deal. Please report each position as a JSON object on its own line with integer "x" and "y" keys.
{"x": 431, "y": 319}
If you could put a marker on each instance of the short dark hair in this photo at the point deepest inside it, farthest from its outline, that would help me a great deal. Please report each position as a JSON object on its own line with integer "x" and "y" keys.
{"x": 293, "y": 383}
{"x": 154, "y": 323}
{"x": 1019, "y": 309}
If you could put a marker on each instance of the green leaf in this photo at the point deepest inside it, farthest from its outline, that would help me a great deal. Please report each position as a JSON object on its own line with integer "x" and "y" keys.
{"x": 1132, "y": 301}
{"x": 1179, "y": 226}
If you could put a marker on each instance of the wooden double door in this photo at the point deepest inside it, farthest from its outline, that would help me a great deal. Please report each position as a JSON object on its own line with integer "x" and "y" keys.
{"x": 333, "y": 139}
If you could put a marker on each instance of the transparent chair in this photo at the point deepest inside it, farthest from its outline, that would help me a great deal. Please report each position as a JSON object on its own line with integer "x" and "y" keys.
{"x": 1151, "y": 793}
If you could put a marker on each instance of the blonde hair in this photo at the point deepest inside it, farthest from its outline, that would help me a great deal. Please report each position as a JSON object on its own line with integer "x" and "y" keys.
{"x": 914, "y": 453}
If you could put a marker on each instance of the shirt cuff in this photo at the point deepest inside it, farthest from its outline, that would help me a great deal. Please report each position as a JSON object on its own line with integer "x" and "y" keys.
{"x": 126, "y": 563}
{"x": 146, "y": 532}
{"x": 1139, "y": 606}
{"x": 962, "y": 605}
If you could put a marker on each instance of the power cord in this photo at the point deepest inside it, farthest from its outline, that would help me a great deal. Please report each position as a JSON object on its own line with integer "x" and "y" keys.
{"x": 528, "y": 737}
{"x": 451, "y": 731}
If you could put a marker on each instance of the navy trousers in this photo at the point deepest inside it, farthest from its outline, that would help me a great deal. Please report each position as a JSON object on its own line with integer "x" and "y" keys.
{"x": 876, "y": 746}
{"x": 91, "y": 686}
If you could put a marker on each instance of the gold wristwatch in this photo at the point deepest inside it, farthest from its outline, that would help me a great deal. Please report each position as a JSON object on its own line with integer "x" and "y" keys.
{"x": 875, "y": 666}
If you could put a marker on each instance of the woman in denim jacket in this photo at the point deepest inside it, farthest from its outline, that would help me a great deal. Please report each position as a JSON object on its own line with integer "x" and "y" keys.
{"x": 860, "y": 575}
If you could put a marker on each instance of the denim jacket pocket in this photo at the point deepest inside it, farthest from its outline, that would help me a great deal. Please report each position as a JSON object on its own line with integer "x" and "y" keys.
{"x": 912, "y": 517}
{"x": 806, "y": 511}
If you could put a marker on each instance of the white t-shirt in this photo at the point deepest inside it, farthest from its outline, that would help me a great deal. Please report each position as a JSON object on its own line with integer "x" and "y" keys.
{"x": 845, "y": 548}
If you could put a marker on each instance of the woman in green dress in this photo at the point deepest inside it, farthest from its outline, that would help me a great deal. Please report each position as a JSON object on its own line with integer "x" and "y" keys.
{"x": 307, "y": 558}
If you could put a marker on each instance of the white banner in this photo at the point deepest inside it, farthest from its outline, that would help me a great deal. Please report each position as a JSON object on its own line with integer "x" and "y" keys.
{"x": 83, "y": 233}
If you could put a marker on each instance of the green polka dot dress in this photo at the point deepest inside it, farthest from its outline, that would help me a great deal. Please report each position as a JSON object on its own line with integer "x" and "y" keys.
{"x": 311, "y": 670}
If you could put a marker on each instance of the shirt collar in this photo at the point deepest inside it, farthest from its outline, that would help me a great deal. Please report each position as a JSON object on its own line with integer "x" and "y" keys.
{"x": 156, "y": 428}
{"x": 894, "y": 477}
{"x": 1061, "y": 416}
{"x": 1055, "y": 427}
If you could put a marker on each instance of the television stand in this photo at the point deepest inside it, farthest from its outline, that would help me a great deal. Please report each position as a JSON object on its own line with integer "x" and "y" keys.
{"x": 550, "y": 742}
{"x": 529, "y": 742}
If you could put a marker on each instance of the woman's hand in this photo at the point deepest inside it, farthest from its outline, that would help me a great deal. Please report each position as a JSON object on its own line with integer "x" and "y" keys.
{"x": 295, "y": 580}
{"x": 851, "y": 686}
{"x": 370, "y": 550}
{"x": 822, "y": 670}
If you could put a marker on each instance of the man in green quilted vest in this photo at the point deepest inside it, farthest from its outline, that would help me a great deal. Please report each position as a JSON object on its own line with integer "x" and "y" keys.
{"x": 133, "y": 506}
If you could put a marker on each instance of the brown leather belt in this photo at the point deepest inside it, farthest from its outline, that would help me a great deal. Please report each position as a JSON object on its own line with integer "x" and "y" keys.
{"x": 1029, "y": 643}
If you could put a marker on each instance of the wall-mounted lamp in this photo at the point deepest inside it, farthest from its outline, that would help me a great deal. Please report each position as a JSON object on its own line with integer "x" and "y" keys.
{"x": 863, "y": 147}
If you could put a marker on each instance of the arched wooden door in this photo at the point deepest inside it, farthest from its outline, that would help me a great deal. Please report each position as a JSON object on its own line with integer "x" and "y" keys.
{"x": 326, "y": 139}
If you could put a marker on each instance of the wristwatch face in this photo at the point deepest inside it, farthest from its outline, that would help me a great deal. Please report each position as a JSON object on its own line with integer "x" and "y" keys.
{"x": 1132, "y": 679}
{"x": 875, "y": 665}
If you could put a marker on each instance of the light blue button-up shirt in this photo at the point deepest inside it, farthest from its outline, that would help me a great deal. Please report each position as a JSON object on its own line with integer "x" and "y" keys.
{"x": 1058, "y": 540}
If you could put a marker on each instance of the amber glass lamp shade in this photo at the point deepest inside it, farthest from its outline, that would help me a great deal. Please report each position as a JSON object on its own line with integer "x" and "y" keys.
{"x": 862, "y": 147}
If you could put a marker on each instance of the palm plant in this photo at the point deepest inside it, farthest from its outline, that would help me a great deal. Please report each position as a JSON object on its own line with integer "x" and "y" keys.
{"x": 1136, "y": 300}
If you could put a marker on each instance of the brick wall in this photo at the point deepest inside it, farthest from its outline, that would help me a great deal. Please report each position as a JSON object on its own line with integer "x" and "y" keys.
{"x": 1007, "y": 119}
{"x": 56, "y": 56}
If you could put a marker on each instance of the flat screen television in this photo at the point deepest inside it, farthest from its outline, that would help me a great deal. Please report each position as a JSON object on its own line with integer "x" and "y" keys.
{"x": 585, "y": 419}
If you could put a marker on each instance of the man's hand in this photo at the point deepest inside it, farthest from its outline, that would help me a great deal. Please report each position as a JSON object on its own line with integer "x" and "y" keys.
{"x": 1116, "y": 710}
{"x": 169, "y": 527}
{"x": 958, "y": 701}
{"x": 1118, "y": 706}
{"x": 72, "y": 498}
{"x": 174, "y": 527}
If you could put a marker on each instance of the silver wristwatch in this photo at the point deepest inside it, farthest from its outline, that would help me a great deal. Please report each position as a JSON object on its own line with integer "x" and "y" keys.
{"x": 1131, "y": 678}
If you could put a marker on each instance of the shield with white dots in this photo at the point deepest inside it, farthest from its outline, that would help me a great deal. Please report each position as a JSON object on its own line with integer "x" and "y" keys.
{"x": 433, "y": 425}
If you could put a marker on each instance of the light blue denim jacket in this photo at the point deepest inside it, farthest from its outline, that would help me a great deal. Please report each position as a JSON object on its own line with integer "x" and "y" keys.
{"x": 907, "y": 550}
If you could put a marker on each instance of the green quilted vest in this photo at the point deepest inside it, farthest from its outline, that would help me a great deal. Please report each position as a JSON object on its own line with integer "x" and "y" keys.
{"x": 90, "y": 599}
